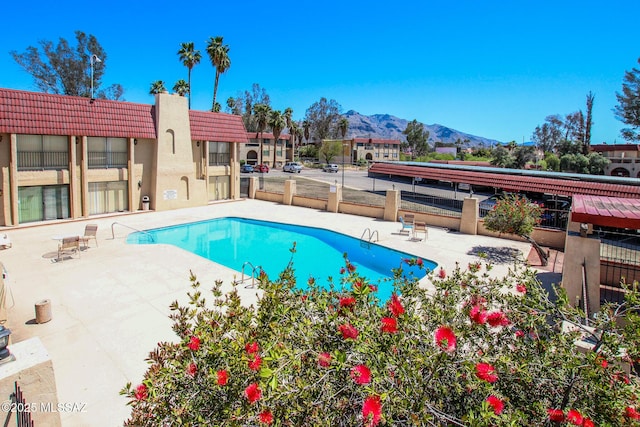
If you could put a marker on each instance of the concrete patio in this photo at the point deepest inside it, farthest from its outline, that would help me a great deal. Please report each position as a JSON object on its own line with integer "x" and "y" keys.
{"x": 110, "y": 305}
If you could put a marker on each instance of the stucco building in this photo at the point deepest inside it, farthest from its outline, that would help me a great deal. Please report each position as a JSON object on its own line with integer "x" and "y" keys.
{"x": 624, "y": 158}
{"x": 260, "y": 147}
{"x": 70, "y": 157}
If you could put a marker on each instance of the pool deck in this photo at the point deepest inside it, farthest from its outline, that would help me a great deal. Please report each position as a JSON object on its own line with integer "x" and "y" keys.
{"x": 110, "y": 305}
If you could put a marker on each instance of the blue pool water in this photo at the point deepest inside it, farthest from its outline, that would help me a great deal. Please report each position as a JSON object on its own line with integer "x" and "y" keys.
{"x": 319, "y": 252}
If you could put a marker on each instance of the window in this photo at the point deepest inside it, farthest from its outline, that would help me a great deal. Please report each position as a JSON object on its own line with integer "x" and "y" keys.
{"x": 40, "y": 203}
{"x": 219, "y": 154}
{"x": 105, "y": 153}
{"x": 36, "y": 152}
{"x": 106, "y": 197}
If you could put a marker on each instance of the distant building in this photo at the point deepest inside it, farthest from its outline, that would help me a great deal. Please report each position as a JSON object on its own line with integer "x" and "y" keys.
{"x": 375, "y": 149}
{"x": 624, "y": 158}
{"x": 73, "y": 157}
{"x": 259, "y": 149}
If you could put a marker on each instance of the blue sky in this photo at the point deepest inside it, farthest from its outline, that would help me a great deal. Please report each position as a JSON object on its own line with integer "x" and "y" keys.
{"x": 490, "y": 68}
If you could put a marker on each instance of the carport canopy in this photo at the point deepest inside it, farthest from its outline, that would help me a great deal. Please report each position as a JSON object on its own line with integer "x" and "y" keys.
{"x": 606, "y": 211}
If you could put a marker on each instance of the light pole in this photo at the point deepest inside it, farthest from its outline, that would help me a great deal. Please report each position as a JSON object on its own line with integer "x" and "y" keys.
{"x": 93, "y": 60}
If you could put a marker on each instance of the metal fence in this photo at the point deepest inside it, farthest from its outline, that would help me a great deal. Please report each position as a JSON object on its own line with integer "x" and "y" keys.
{"x": 550, "y": 218}
{"x": 418, "y": 202}
{"x": 39, "y": 160}
{"x": 107, "y": 159}
{"x": 22, "y": 409}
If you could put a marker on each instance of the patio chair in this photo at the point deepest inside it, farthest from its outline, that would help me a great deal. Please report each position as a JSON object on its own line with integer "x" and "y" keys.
{"x": 5, "y": 242}
{"x": 90, "y": 232}
{"x": 407, "y": 225}
{"x": 420, "y": 227}
{"x": 68, "y": 246}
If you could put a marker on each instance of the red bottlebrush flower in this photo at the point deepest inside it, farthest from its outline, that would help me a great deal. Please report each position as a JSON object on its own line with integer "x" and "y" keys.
{"x": 348, "y": 331}
{"x": 373, "y": 288}
{"x": 486, "y": 372}
{"x": 442, "y": 274}
{"x": 497, "y": 318}
{"x": 478, "y": 315}
{"x": 254, "y": 364}
{"x": 304, "y": 298}
{"x": 445, "y": 339}
{"x": 519, "y": 333}
{"x": 419, "y": 262}
{"x": 389, "y": 325}
{"x": 265, "y": 417}
{"x": 358, "y": 284}
{"x": 361, "y": 374}
{"x": 141, "y": 392}
{"x": 521, "y": 288}
{"x": 192, "y": 369}
{"x": 324, "y": 360}
{"x": 604, "y": 363}
{"x": 252, "y": 392}
{"x": 586, "y": 422}
{"x": 222, "y": 377}
{"x": 194, "y": 343}
{"x": 252, "y": 347}
{"x": 574, "y": 417}
{"x": 371, "y": 411}
{"x": 342, "y": 270}
{"x": 395, "y": 306}
{"x": 555, "y": 415}
{"x": 496, "y": 404}
{"x": 347, "y": 301}
{"x": 631, "y": 413}
{"x": 351, "y": 268}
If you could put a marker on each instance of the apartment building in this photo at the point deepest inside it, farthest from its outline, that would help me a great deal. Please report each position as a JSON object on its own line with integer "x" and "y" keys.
{"x": 260, "y": 148}
{"x": 624, "y": 158}
{"x": 72, "y": 157}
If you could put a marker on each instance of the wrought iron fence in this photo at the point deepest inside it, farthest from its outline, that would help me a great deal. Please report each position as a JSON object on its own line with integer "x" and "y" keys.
{"x": 364, "y": 197}
{"x": 430, "y": 204}
{"x": 619, "y": 260}
{"x": 219, "y": 159}
{"x": 106, "y": 159}
{"x": 21, "y": 407}
{"x": 550, "y": 218}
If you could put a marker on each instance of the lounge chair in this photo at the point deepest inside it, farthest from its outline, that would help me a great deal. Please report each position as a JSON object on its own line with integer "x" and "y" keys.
{"x": 5, "y": 242}
{"x": 407, "y": 225}
{"x": 68, "y": 246}
{"x": 90, "y": 232}
{"x": 420, "y": 227}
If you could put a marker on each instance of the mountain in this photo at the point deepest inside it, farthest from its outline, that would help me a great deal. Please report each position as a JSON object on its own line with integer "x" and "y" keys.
{"x": 386, "y": 126}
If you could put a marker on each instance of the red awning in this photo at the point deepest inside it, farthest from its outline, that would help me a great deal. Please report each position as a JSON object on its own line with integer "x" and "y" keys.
{"x": 606, "y": 211}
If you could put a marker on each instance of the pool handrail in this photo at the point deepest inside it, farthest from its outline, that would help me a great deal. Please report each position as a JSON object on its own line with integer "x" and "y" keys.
{"x": 371, "y": 234}
{"x": 132, "y": 228}
{"x": 253, "y": 272}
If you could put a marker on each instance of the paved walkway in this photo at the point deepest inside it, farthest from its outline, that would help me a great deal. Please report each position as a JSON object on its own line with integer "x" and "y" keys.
{"x": 110, "y": 305}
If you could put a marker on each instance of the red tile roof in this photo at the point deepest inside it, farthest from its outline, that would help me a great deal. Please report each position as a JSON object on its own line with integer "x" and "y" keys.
{"x": 606, "y": 211}
{"x": 36, "y": 113}
{"x": 511, "y": 183}
{"x": 377, "y": 141}
{"x": 220, "y": 127}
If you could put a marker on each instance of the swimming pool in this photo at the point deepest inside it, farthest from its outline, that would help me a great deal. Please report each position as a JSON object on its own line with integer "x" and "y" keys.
{"x": 232, "y": 241}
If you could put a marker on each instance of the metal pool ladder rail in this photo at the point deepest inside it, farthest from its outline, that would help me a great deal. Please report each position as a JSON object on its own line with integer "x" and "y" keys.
{"x": 370, "y": 236}
{"x": 132, "y": 228}
{"x": 254, "y": 271}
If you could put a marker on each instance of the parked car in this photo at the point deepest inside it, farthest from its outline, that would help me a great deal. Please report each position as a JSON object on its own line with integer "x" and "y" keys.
{"x": 488, "y": 203}
{"x": 331, "y": 167}
{"x": 246, "y": 168}
{"x": 292, "y": 167}
{"x": 261, "y": 168}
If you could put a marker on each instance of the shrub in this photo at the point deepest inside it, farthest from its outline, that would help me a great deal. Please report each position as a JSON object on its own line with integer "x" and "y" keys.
{"x": 473, "y": 350}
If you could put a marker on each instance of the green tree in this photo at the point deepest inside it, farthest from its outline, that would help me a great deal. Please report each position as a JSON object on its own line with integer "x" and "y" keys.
{"x": 516, "y": 215}
{"x": 219, "y": 56}
{"x": 329, "y": 150}
{"x": 588, "y": 124}
{"x": 502, "y": 158}
{"x": 523, "y": 155}
{"x": 552, "y": 161}
{"x": 157, "y": 87}
{"x": 343, "y": 126}
{"x": 574, "y": 162}
{"x": 261, "y": 112}
{"x": 628, "y": 108}
{"x": 597, "y": 163}
{"x": 190, "y": 57}
{"x": 245, "y": 102}
{"x": 322, "y": 117}
{"x": 306, "y": 126}
{"x": 277, "y": 123}
{"x": 66, "y": 69}
{"x": 417, "y": 139}
{"x": 181, "y": 88}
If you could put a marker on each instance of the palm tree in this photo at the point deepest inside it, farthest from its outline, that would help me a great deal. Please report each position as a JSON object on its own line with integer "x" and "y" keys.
{"x": 277, "y": 122}
{"x": 157, "y": 87}
{"x": 261, "y": 112}
{"x": 288, "y": 112}
{"x": 190, "y": 58}
{"x": 219, "y": 56}
{"x": 181, "y": 88}
{"x": 343, "y": 126}
{"x": 305, "y": 128}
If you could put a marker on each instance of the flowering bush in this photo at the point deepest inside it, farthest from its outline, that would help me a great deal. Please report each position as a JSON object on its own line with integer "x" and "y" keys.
{"x": 473, "y": 351}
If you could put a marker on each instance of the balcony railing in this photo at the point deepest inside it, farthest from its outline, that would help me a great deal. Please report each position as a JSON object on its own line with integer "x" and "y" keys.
{"x": 219, "y": 159}
{"x": 106, "y": 159}
{"x": 43, "y": 160}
